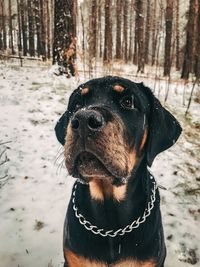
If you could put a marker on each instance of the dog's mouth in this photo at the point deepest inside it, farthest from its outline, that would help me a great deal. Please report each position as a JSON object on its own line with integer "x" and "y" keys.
{"x": 88, "y": 166}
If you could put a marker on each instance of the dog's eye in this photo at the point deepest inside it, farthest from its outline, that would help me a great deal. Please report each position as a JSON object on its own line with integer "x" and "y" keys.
{"x": 128, "y": 102}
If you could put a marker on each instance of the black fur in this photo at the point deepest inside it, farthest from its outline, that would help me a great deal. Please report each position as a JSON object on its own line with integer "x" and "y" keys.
{"x": 147, "y": 241}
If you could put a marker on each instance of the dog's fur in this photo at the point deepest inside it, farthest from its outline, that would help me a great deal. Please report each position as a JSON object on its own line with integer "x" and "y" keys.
{"x": 112, "y": 130}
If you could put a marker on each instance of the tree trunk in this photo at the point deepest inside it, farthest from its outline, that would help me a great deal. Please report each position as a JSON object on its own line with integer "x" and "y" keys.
{"x": 168, "y": 38}
{"x": 140, "y": 34}
{"x": 64, "y": 28}
{"x": 24, "y": 28}
{"x": 3, "y": 25}
{"x": 125, "y": 31}
{"x": 130, "y": 52}
{"x": 11, "y": 46}
{"x": 100, "y": 28}
{"x": 118, "y": 29}
{"x": 93, "y": 30}
{"x": 154, "y": 37}
{"x": 48, "y": 31}
{"x": 37, "y": 25}
{"x": 147, "y": 32}
{"x": 43, "y": 32}
{"x": 197, "y": 54}
{"x": 177, "y": 35}
{"x": 19, "y": 26}
{"x": 108, "y": 33}
{"x": 135, "y": 54}
{"x": 188, "y": 62}
{"x": 30, "y": 29}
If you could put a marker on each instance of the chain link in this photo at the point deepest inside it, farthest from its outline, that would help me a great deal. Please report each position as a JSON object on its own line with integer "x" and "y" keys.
{"x": 121, "y": 231}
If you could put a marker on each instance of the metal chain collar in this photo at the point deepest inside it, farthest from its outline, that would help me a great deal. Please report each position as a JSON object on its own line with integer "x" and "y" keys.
{"x": 121, "y": 231}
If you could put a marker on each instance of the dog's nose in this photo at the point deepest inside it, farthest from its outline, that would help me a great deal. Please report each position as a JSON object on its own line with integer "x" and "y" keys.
{"x": 90, "y": 120}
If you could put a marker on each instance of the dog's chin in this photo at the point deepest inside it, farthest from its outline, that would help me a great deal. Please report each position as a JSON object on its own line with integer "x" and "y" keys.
{"x": 89, "y": 167}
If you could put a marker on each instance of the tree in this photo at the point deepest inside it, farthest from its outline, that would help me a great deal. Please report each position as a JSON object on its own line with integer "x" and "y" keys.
{"x": 188, "y": 62}
{"x": 177, "y": 35}
{"x": 31, "y": 28}
{"x": 140, "y": 34}
{"x": 197, "y": 54}
{"x": 125, "y": 39}
{"x": 64, "y": 27}
{"x": 24, "y": 27}
{"x": 118, "y": 28}
{"x": 19, "y": 26}
{"x": 11, "y": 45}
{"x": 108, "y": 33}
{"x": 93, "y": 30}
{"x": 168, "y": 37}
{"x": 3, "y": 25}
{"x": 147, "y": 32}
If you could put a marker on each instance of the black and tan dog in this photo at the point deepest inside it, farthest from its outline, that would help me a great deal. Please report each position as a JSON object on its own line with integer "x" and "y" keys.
{"x": 112, "y": 130}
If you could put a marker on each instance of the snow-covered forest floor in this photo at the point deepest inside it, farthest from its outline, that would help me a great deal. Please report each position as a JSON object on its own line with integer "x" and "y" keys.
{"x": 34, "y": 195}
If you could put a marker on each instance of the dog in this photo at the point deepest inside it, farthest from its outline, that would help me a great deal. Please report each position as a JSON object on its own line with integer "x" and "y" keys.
{"x": 112, "y": 131}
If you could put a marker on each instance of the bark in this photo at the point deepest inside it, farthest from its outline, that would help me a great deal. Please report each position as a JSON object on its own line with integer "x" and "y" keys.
{"x": 19, "y": 26}
{"x": 3, "y": 25}
{"x": 43, "y": 31}
{"x": 10, "y": 28}
{"x": 168, "y": 38}
{"x": 197, "y": 54}
{"x": 24, "y": 27}
{"x": 100, "y": 29}
{"x": 93, "y": 30}
{"x": 188, "y": 62}
{"x": 64, "y": 27}
{"x": 154, "y": 37}
{"x": 130, "y": 52}
{"x": 140, "y": 34}
{"x": 147, "y": 32}
{"x": 108, "y": 33}
{"x": 119, "y": 29}
{"x": 48, "y": 31}
{"x": 31, "y": 29}
{"x": 177, "y": 35}
{"x": 125, "y": 31}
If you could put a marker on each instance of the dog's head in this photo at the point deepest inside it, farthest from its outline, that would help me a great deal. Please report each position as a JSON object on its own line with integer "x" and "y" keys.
{"x": 110, "y": 124}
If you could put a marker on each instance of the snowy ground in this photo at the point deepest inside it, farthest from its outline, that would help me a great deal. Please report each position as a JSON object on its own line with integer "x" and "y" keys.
{"x": 34, "y": 195}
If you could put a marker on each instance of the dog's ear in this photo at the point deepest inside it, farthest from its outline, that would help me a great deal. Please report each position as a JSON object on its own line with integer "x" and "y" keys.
{"x": 61, "y": 127}
{"x": 164, "y": 129}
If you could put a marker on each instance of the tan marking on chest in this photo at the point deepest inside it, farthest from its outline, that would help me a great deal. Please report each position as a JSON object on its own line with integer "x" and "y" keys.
{"x": 74, "y": 260}
{"x": 99, "y": 189}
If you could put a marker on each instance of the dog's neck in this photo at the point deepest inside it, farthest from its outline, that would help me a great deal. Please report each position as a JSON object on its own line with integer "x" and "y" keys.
{"x": 117, "y": 206}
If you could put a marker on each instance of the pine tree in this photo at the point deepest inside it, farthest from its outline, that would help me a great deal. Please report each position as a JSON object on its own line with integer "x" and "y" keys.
{"x": 30, "y": 28}
{"x": 108, "y": 33}
{"x": 188, "y": 63}
{"x": 65, "y": 13}
{"x": 168, "y": 38}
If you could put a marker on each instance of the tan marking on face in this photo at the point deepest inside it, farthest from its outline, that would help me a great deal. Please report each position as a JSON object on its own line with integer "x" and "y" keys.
{"x": 144, "y": 138}
{"x": 85, "y": 91}
{"x": 132, "y": 160}
{"x": 68, "y": 147}
{"x": 99, "y": 189}
{"x": 74, "y": 260}
{"x": 118, "y": 88}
